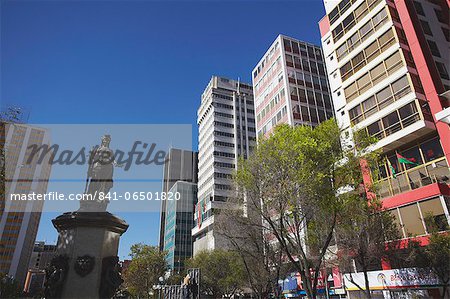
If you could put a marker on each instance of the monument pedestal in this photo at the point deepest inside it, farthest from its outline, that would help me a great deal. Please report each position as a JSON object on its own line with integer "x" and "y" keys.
{"x": 86, "y": 265}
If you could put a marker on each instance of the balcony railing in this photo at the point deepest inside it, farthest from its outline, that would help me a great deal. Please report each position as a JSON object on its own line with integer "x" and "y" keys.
{"x": 436, "y": 171}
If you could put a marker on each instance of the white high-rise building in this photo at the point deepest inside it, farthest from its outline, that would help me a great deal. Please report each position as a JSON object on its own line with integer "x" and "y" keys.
{"x": 226, "y": 120}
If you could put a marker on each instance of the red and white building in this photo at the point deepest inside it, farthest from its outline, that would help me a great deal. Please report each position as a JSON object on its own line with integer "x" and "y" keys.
{"x": 290, "y": 86}
{"x": 388, "y": 68}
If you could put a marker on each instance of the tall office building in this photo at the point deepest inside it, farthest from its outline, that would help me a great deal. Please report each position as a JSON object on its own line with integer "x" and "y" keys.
{"x": 19, "y": 223}
{"x": 179, "y": 224}
{"x": 181, "y": 165}
{"x": 387, "y": 63}
{"x": 290, "y": 86}
{"x": 226, "y": 120}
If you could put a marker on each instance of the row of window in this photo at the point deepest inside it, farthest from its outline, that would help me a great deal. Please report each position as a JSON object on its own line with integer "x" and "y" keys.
{"x": 310, "y": 114}
{"x": 420, "y": 153}
{"x": 224, "y": 165}
{"x": 305, "y": 64}
{"x": 276, "y": 99}
{"x": 312, "y": 98}
{"x": 374, "y": 76}
{"x": 412, "y": 219}
{"x": 222, "y": 143}
{"x": 354, "y": 17}
{"x": 273, "y": 121}
{"x": 265, "y": 61}
{"x": 368, "y": 54}
{"x": 380, "y": 100}
{"x": 394, "y": 122}
{"x": 302, "y": 49}
{"x": 362, "y": 34}
{"x": 307, "y": 80}
{"x": 223, "y": 154}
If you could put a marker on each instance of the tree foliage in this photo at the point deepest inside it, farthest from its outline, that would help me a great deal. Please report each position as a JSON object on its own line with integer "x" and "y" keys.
{"x": 294, "y": 182}
{"x": 260, "y": 257}
{"x": 222, "y": 272}
{"x": 436, "y": 255}
{"x": 147, "y": 265}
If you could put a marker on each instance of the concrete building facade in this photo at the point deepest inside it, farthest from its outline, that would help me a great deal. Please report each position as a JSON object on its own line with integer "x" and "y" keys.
{"x": 290, "y": 86}
{"x": 19, "y": 221}
{"x": 226, "y": 120}
{"x": 388, "y": 66}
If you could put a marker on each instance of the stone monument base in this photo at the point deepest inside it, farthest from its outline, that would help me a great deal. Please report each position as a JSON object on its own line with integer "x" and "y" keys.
{"x": 86, "y": 265}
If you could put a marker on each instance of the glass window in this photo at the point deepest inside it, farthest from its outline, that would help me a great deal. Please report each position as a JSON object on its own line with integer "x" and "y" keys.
{"x": 383, "y": 94}
{"x": 378, "y": 73}
{"x": 400, "y": 86}
{"x": 357, "y": 60}
{"x": 442, "y": 70}
{"x": 393, "y": 62}
{"x": 419, "y": 8}
{"x": 434, "y": 48}
{"x": 355, "y": 112}
{"x": 385, "y": 38}
{"x": 390, "y": 119}
{"x": 347, "y": 21}
{"x": 379, "y": 17}
{"x": 346, "y": 68}
{"x": 369, "y": 106}
{"x": 426, "y": 28}
{"x": 350, "y": 90}
{"x": 411, "y": 220}
{"x": 353, "y": 41}
{"x": 374, "y": 128}
{"x": 431, "y": 150}
{"x": 371, "y": 49}
{"x": 361, "y": 11}
{"x": 407, "y": 111}
{"x": 412, "y": 154}
{"x": 433, "y": 208}
{"x": 365, "y": 29}
{"x": 364, "y": 83}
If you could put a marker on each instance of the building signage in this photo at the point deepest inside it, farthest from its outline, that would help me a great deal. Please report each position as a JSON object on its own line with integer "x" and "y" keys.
{"x": 389, "y": 279}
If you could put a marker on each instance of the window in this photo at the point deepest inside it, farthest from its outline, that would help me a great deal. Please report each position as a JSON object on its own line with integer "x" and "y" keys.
{"x": 442, "y": 70}
{"x": 391, "y": 119}
{"x": 400, "y": 87}
{"x": 426, "y": 28}
{"x": 431, "y": 150}
{"x": 419, "y": 8}
{"x": 433, "y": 48}
{"x": 412, "y": 221}
{"x": 374, "y": 128}
{"x": 446, "y": 33}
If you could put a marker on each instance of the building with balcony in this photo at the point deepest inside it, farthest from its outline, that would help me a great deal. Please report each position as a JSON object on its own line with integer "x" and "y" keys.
{"x": 24, "y": 174}
{"x": 226, "y": 120}
{"x": 290, "y": 85}
{"x": 387, "y": 63}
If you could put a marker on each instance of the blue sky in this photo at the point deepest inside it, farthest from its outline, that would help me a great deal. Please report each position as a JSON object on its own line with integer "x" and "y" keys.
{"x": 139, "y": 62}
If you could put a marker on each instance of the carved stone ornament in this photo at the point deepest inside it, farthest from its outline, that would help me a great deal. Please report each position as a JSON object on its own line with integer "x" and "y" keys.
{"x": 55, "y": 276}
{"x": 84, "y": 265}
{"x": 111, "y": 277}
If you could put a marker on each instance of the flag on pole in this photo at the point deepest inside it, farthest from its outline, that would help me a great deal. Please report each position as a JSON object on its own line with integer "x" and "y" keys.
{"x": 391, "y": 168}
{"x": 404, "y": 160}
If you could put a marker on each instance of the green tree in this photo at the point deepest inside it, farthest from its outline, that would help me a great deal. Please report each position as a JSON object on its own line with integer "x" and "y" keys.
{"x": 436, "y": 255}
{"x": 367, "y": 236}
{"x": 260, "y": 257}
{"x": 147, "y": 265}
{"x": 9, "y": 288}
{"x": 222, "y": 272}
{"x": 295, "y": 181}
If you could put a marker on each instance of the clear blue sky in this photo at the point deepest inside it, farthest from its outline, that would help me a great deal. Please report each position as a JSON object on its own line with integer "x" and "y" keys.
{"x": 134, "y": 62}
